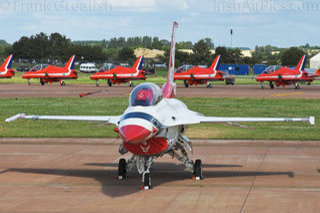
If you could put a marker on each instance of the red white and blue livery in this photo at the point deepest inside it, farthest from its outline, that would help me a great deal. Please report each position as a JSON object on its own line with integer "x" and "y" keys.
{"x": 6, "y": 70}
{"x": 49, "y": 74}
{"x": 120, "y": 74}
{"x": 154, "y": 125}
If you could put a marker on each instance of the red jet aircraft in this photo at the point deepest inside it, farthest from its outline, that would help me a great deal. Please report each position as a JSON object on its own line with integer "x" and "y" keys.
{"x": 282, "y": 76}
{"x": 49, "y": 73}
{"x": 5, "y": 70}
{"x": 120, "y": 74}
{"x": 198, "y": 75}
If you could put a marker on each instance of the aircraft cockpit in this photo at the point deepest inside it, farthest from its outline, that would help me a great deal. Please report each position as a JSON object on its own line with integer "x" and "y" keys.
{"x": 39, "y": 67}
{"x": 271, "y": 69}
{"x": 107, "y": 67}
{"x": 147, "y": 94}
{"x": 184, "y": 68}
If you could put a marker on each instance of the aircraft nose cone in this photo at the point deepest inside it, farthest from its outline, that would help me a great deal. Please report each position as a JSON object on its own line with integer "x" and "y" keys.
{"x": 134, "y": 133}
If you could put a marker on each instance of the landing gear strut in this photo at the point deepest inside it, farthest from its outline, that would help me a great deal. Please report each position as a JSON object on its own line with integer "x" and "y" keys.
{"x": 143, "y": 165}
{"x": 29, "y": 83}
{"x": 271, "y": 85}
{"x": 41, "y": 82}
{"x": 97, "y": 84}
{"x": 63, "y": 83}
{"x": 186, "y": 84}
{"x": 131, "y": 84}
{"x": 209, "y": 85}
{"x": 109, "y": 83}
{"x": 296, "y": 85}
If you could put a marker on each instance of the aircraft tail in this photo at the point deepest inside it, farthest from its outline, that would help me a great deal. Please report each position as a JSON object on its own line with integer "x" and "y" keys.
{"x": 70, "y": 64}
{"x": 302, "y": 64}
{"x": 7, "y": 64}
{"x": 215, "y": 65}
{"x": 138, "y": 64}
{"x": 317, "y": 73}
{"x": 169, "y": 88}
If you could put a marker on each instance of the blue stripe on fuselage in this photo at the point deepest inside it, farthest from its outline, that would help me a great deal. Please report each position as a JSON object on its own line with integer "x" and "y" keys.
{"x": 143, "y": 116}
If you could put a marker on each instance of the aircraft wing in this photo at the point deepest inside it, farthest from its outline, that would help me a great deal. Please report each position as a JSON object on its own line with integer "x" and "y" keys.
{"x": 190, "y": 117}
{"x": 203, "y": 119}
{"x": 106, "y": 119}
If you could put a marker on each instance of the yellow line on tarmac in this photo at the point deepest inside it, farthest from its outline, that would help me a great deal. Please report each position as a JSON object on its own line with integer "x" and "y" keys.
{"x": 288, "y": 94}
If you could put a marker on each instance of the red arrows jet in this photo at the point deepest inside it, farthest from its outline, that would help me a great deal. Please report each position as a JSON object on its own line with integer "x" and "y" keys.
{"x": 5, "y": 70}
{"x": 198, "y": 75}
{"x": 282, "y": 76}
{"x": 49, "y": 73}
{"x": 120, "y": 74}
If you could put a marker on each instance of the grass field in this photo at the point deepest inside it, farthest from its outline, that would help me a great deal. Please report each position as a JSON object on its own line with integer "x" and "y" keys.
{"x": 207, "y": 106}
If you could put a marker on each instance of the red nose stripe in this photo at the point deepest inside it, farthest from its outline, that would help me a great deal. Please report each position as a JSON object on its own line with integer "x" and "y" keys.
{"x": 134, "y": 133}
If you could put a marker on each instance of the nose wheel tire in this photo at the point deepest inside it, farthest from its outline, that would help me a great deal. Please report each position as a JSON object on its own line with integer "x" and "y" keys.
{"x": 198, "y": 170}
{"x": 122, "y": 170}
{"x": 63, "y": 83}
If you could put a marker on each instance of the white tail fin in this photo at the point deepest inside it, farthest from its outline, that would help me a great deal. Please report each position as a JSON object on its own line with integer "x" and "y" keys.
{"x": 169, "y": 89}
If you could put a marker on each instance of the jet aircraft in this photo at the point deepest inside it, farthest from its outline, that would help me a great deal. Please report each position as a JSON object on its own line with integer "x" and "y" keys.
{"x": 282, "y": 76}
{"x": 154, "y": 125}
{"x": 197, "y": 75}
{"x": 120, "y": 74}
{"x": 49, "y": 73}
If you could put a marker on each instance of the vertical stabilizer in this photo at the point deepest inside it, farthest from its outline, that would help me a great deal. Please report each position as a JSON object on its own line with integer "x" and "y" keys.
{"x": 7, "y": 63}
{"x": 215, "y": 65}
{"x": 70, "y": 65}
{"x": 301, "y": 64}
{"x": 169, "y": 88}
{"x": 138, "y": 64}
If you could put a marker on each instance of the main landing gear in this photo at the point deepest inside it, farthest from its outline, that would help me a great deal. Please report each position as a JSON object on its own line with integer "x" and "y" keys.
{"x": 209, "y": 85}
{"x": 97, "y": 84}
{"x": 122, "y": 169}
{"x": 62, "y": 83}
{"x": 271, "y": 85}
{"x": 29, "y": 83}
{"x": 109, "y": 83}
{"x": 131, "y": 84}
{"x": 296, "y": 85}
{"x": 144, "y": 163}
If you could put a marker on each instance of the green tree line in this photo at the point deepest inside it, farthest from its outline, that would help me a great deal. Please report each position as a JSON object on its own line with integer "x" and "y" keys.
{"x": 43, "y": 47}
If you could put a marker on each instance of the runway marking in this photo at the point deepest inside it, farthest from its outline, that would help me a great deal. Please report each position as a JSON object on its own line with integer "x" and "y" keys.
{"x": 288, "y": 94}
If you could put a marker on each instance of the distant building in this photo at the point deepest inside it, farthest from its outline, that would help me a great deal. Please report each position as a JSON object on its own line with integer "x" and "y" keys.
{"x": 315, "y": 61}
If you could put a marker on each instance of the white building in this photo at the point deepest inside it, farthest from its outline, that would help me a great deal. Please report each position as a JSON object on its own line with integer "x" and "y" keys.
{"x": 315, "y": 61}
